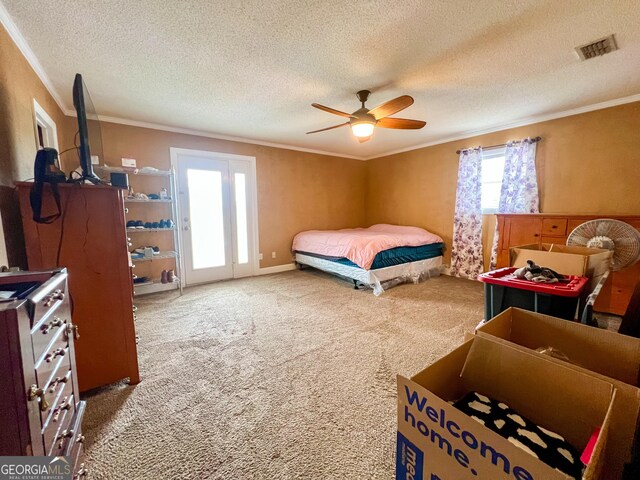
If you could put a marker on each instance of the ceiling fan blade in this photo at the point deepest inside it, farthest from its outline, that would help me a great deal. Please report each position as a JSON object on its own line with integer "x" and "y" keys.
{"x": 329, "y": 128}
{"x": 331, "y": 110}
{"x": 403, "y": 123}
{"x": 363, "y": 139}
{"x": 391, "y": 107}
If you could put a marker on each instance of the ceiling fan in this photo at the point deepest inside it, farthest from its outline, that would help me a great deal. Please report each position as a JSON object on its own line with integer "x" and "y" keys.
{"x": 363, "y": 120}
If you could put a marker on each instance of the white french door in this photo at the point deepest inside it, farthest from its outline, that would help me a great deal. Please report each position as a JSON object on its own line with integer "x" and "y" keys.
{"x": 217, "y": 214}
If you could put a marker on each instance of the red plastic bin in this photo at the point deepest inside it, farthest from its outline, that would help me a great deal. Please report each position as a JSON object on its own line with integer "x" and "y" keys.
{"x": 503, "y": 290}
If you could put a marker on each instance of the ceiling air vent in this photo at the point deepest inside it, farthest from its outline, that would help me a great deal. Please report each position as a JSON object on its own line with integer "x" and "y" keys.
{"x": 597, "y": 48}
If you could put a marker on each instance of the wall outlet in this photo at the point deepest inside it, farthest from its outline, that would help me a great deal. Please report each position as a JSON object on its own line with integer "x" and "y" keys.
{"x": 273, "y": 254}
{"x": 129, "y": 162}
{"x": 260, "y": 256}
{"x": 95, "y": 160}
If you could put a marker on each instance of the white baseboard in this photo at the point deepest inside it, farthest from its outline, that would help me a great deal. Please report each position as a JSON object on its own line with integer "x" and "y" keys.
{"x": 277, "y": 269}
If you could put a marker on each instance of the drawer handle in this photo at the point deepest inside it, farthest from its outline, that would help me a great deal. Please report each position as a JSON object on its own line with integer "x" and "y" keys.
{"x": 55, "y": 323}
{"x": 63, "y": 436}
{"x": 82, "y": 472}
{"x": 64, "y": 405}
{"x": 56, "y": 381}
{"x": 58, "y": 352}
{"x": 72, "y": 330}
{"x": 34, "y": 392}
{"x": 536, "y": 235}
{"x": 56, "y": 295}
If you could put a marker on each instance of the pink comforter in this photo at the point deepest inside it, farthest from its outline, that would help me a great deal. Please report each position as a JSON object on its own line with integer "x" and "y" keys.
{"x": 361, "y": 245}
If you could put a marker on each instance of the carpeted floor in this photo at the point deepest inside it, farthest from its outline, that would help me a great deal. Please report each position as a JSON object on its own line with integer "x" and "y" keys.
{"x": 287, "y": 376}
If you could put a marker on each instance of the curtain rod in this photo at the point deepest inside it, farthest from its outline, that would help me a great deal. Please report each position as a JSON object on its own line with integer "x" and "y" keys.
{"x": 533, "y": 140}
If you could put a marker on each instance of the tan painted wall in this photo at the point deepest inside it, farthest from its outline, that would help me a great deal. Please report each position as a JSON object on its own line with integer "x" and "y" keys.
{"x": 587, "y": 163}
{"x": 19, "y": 85}
{"x": 296, "y": 191}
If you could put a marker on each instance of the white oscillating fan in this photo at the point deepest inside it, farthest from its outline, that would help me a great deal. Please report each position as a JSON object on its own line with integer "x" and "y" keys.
{"x": 615, "y": 235}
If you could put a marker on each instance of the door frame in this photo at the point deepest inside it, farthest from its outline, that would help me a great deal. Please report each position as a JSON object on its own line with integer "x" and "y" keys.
{"x": 252, "y": 205}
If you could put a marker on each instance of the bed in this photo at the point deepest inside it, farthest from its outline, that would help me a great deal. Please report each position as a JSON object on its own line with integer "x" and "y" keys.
{"x": 378, "y": 257}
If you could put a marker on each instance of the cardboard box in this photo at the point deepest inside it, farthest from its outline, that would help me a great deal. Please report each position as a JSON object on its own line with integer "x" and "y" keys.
{"x": 608, "y": 355}
{"x": 602, "y": 351}
{"x": 581, "y": 261}
{"x": 436, "y": 441}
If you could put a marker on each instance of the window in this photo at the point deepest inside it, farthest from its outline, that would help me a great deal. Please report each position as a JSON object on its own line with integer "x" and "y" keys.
{"x": 45, "y": 128}
{"x": 492, "y": 171}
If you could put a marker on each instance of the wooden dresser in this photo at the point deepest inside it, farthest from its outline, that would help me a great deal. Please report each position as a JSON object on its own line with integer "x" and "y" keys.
{"x": 40, "y": 408}
{"x": 90, "y": 241}
{"x": 522, "y": 229}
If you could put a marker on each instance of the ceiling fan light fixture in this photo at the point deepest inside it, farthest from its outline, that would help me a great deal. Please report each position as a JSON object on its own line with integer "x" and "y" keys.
{"x": 362, "y": 129}
{"x": 363, "y": 121}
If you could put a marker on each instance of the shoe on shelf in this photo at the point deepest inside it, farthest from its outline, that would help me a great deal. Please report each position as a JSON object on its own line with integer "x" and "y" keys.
{"x": 139, "y": 250}
{"x": 148, "y": 225}
{"x": 154, "y": 196}
{"x": 137, "y": 255}
{"x": 131, "y": 224}
{"x": 164, "y": 277}
{"x": 141, "y": 196}
{"x": 171, "y": 276}
{"x": 139, "y": 224}
{"x": 169, "y": 223}
{"x": 156, "y": 250}
{"x": 155, "y": 225}
{"x": 163, "y": 224}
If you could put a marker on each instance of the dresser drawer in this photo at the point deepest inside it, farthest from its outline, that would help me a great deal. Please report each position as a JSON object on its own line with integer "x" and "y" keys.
{"x": 58, "y": 393}
{"x": 554, "y": 226}
{"x": 55, "y": 356}
{"x": 65, "y": 434}
{"x": 74, "y": 439}
{"x": 555, "y": 240}
{"x": 53, "y": 432}
{"x": 47, "y": 298}
{"x": 80, "y": 469}
{"x": 46, "y": 331}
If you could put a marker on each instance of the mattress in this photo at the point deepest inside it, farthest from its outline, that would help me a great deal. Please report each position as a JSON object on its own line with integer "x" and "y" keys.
{"x": 392, "y": 256}
{"x": 361, "y": 245}
{"x": 381, "y": 278}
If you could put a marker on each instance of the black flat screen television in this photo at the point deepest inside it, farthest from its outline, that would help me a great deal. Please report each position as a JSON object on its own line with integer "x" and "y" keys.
{"x": 89, "y": 132}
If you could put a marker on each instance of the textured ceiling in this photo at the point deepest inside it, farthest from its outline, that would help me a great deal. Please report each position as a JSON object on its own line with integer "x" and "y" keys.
{"x": 251, "y": 69}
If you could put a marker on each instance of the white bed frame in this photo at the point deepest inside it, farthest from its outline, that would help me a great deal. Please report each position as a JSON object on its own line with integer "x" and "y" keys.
{"x": 405, "y": 272}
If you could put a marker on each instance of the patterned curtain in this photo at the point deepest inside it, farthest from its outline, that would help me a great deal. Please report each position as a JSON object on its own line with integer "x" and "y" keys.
{"x": 466, "y": 251}
{"x": 519, "y": 192}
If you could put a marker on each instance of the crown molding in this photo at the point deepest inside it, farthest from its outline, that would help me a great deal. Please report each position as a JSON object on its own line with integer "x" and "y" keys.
{"x": 518, "y": 123}
{"x": 201, "y": 133}
{"x": 25, "y": 49}
{"x": 459, "y": 136}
